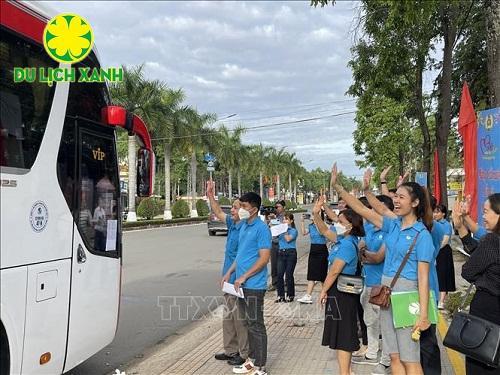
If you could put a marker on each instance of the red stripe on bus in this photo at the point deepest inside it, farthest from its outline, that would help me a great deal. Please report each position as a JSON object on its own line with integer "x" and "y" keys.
{"x": 22, "y": 22}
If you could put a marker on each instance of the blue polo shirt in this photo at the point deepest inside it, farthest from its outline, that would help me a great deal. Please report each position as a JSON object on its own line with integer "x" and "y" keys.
{"x": 481, "y": 232}
{"x": 374, "y": 239}
{"x": 345, "y": 249}
{"x": 316, "y": 237}
{"x": 446, "y": 229}
{"x": 253, "y": 237}
{"x": 284, "y": 244}
{"x": 437, "y": 237}
{"x": 231, "y": 246}
{"x": 397, "y": 244}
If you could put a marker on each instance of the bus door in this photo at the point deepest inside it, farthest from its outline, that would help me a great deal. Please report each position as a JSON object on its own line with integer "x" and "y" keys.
{"x": 96, "y": 259}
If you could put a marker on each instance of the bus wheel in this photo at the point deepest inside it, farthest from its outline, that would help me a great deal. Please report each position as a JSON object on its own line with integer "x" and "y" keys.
{"x": 4, "y": 352}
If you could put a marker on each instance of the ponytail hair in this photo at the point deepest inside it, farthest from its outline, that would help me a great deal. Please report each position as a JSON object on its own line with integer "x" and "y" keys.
{"x": 423, "y": 211}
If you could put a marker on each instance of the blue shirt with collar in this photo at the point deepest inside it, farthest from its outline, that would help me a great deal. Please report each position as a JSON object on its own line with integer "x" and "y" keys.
{"x": 374, "y": 239}
{"x": 231, "y": 246}
{"x": 345, "y": 249}
{"x": 436, "y": 235}
{"x": 316, "y": 237}
{"x": 253, "y": 237}
{"x": 284, "y": 244}
{"x": 397, "y": 244}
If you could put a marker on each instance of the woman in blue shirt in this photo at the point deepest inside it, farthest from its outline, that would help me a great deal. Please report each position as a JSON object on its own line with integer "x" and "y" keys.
{"x": 412, "y": 217}
{"x": 341, "y": 317}
{"x": 444, "y": 260}
{"x": 287, "y": 260}
{"x": 317, "y": 264}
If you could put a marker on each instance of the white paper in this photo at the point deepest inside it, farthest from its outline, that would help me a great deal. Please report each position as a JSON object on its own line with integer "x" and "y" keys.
{"x": 278, "y": 229}
{"x": 111, "y": 235}
{"x": 229, "y": 288}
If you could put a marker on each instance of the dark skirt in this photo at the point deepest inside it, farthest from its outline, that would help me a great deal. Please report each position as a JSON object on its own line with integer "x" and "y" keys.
{"x": 317, "y": 265}
{"x": 486, "y": 306}
{"x": 445, "y": 270}
{"x": 341, "y": 321}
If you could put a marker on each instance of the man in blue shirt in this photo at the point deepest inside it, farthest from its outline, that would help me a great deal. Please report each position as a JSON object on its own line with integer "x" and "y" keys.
{"x": 254, "y": 251}
{"x": 234, "y": 331}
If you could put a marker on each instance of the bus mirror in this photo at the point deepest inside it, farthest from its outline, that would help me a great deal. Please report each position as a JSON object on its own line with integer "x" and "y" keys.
{"x": 114, "y": 115}
{"x": 144, "y": 172}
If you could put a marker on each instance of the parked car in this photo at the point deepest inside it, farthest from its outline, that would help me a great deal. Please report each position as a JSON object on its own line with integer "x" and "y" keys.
{"x": 215, "y": 225}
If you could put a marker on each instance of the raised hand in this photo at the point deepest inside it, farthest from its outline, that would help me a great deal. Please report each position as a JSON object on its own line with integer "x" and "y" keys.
{"x": 333, "y": 178}
{"x": 367, "y": 176}
{"x": 385, "y": 172}
{"x": 456, "y": 214}
{"x": 465, "y": 206}
{"x": 210, "y": 188}
{"x": 403, "y": 178}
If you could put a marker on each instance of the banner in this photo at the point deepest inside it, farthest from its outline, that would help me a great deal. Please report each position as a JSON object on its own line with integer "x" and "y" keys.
{"x": 488, "y": 156}
{"x": 421, "y": 178}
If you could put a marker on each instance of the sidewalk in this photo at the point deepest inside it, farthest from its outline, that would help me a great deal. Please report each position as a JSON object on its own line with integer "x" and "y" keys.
{"x": 294, "y": 342}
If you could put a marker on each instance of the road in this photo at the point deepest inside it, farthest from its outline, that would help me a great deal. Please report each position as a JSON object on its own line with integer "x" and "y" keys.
{"x": 159, "y": 264}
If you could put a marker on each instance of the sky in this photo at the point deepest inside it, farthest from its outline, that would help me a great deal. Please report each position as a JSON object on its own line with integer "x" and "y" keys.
{"x": 264, "y": 63}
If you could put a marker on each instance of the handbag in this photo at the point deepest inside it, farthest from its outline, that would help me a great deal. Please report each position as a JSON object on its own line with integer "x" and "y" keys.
{"x": 473, "y": 336}
{"x": 352, "y": 284}
{"x": 380, "y": 295}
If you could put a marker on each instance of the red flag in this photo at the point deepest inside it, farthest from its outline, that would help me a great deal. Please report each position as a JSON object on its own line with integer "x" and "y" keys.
{"x": 437, "y": 185}
{"x": 467, "y": 127}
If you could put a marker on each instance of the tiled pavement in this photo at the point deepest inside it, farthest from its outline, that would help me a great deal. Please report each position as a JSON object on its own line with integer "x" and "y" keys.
{"x": 294, "y": 341}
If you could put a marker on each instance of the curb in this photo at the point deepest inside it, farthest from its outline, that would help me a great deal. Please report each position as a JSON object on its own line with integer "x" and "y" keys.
{"x": 170, "y": 225}
{"x": 456, "y": 359}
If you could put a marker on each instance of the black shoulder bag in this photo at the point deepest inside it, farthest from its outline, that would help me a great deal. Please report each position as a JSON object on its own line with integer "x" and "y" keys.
{"x": 473, "y": 336}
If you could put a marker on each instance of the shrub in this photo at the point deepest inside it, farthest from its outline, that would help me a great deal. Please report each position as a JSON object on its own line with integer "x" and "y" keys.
{"x": 202, "y": 207}
{"x": 180, "y": 209}
{"x": 148, "y": 208}
{"x": 454, "y": 300}
{"x": 224, "y": 201}
{"x": 290, "y": 205}
{"x": 266, "y": 202}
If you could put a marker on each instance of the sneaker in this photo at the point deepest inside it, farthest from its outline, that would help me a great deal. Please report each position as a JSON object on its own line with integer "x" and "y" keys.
{"x": 381, "y": 369}
{"x": 289, "y": 299}
{"x": 245, "y": 368}
{"x": 441, "y": 305}
{"x": 305, "y": 299}
{"x": 280, "y": 299}
{"x": 361, "y": 352}
{"x": 260, "y": 371}
{"x": 365, "y": 360}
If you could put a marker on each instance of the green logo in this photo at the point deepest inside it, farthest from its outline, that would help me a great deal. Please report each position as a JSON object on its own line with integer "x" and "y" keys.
{"x": 68, "y": 38}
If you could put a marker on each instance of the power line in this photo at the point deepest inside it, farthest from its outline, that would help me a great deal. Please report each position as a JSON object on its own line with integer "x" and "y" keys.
{"x": 261, "y": 126}
{"x": 298, "y": 106}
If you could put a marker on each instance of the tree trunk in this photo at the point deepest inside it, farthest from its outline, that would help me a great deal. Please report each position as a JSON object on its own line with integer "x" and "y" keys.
{"x": 239, "y": 183}
{"x": 449, "y": 32}
{"x": 422, "y": 121}
{"x": 194, "y": 213}
{"x": 295, "y": 192}
{"x": 230, "y": 183}
{"x": 290, "y": 184}
{"x": 278, "y": 187}
{"x": 261, "y": 185}
{"x": 493, "y": 50}
{"x": 167, "y": 213}
{"x": 132, "y": 178}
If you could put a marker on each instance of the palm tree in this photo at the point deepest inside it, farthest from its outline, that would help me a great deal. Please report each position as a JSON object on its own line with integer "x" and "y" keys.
{"x": 139, "y": 96}
{"x": 170, "y": 120}
{"x": 195, "y": 142}
{"x": 259, "y": 155}
{"x": 229, "y": 142}
{"x": 277, "y": 163}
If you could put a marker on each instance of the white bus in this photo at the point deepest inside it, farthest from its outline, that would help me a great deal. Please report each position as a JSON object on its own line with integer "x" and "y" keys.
{"x": 60, "y": 229}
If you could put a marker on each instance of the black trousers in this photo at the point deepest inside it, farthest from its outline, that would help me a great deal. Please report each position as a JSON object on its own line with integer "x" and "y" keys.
{"x": 274, "y": 263}
{"x": 430, "y": 356}
{"x": 252, "y": 309}
{"x": 287, "y": 260}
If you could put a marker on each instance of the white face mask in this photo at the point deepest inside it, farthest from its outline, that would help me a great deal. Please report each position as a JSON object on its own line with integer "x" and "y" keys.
{"x": 243, "y": 214}
{"x": 340, "y": 228}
